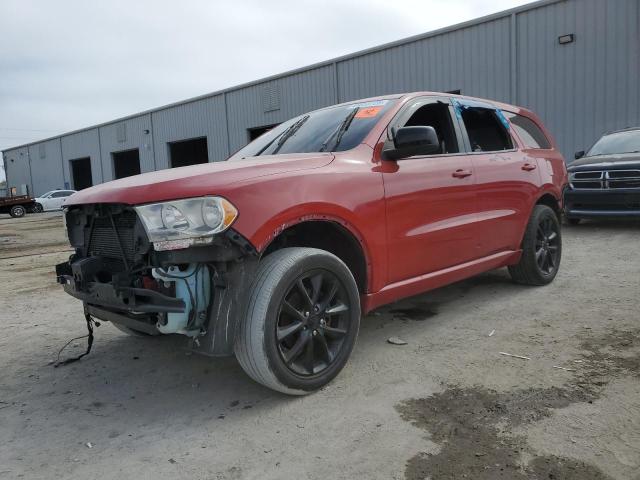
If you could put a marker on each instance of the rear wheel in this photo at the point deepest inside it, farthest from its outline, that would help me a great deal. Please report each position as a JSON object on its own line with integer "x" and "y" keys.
{"x": 301, "y": 321}
{"x": 17, "y": 211}
{"x": 541, "y": 249}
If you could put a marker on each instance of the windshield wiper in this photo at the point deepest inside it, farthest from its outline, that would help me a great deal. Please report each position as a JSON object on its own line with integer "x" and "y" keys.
{"x": 283, "y": 137}
{"x": 290, "y": 132}
{"x": 340, "y": 131}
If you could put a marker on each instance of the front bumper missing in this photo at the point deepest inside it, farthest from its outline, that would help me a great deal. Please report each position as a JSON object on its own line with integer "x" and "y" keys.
{"x": 120, "y": 319}
{"x": 114, "y": 297}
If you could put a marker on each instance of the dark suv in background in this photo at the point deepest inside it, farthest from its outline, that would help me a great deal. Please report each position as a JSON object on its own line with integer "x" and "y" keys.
{"x": 605, "y": 182}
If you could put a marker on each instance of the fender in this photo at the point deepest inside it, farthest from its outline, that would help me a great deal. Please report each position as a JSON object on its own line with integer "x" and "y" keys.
{"x": 270, "y": 230}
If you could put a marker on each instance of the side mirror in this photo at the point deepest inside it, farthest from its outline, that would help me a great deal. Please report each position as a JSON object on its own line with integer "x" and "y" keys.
{"x": 410, "y": 141}
{"x": 579, "y": 154}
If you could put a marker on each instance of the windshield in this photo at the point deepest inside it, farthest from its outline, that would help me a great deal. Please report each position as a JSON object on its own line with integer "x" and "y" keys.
{"x": 620, "y": 142}
{"x": 332, "y": 129}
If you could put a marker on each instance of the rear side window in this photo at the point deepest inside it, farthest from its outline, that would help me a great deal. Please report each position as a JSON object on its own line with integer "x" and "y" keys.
{"x": 486, "y": 131}
{"x": 528, "y": 131}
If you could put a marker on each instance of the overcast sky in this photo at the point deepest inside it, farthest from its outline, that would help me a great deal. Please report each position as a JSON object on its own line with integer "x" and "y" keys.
{"x": 69, "y": 64}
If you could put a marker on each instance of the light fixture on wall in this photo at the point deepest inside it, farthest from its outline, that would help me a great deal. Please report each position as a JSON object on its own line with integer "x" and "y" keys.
{"x": 564, "y": 39}
{"x": 146, "y": 131}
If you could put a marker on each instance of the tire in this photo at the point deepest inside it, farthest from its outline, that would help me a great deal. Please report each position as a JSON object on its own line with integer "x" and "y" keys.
{"x": 17, "y": 211}
{"x": 130, "y": 331}
{"x": 280, "y": 343}
{"x": 37, "y": 208}
{"x": 541, "y": 249}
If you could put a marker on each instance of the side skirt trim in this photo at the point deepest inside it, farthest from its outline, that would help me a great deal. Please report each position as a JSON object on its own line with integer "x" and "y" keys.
{"x": 430, "y": 281}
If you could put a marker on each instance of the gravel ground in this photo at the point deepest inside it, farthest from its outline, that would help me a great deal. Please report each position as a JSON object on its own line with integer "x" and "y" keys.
{"x": 446, "y": 405}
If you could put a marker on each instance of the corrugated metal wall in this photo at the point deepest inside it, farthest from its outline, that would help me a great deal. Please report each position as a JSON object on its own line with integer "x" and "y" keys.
{"x": 278, "y": 100}
{"x": 473, "y": 59}
{"x": 202, "y": 118}
{"x": 46, "y": 166}
{"x": 588, "y": 87}
{"x": 580, "y": 90}
{"x": 129, "y": 134}
{"x": 81, "y": 145}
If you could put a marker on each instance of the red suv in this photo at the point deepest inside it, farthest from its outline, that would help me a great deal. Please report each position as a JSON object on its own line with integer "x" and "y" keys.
{"x": 275, "y": 254}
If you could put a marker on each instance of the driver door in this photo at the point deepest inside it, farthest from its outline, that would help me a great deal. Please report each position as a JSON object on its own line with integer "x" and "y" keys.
{"x": 430, "y": 199}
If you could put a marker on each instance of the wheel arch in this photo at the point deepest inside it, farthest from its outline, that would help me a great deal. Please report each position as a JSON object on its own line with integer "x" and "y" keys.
{"x": 550, "y": 200}
{"x": 330, "y": 234}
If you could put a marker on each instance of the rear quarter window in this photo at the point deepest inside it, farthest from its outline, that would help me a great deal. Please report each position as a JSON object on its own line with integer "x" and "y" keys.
{"x": 530, "y": 134}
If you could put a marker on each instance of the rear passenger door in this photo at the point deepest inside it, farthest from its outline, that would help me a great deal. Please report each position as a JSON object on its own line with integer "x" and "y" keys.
{"x": 506, "y": 180}
{"x": 430, "y": 199}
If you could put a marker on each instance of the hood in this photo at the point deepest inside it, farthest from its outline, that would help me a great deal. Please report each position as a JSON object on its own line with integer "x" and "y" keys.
{"x": 617, "y": 161}
{"x": 196, "y": 180}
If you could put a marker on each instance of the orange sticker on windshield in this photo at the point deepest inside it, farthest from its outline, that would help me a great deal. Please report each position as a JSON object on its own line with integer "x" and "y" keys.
{"x": 368, "y": 112}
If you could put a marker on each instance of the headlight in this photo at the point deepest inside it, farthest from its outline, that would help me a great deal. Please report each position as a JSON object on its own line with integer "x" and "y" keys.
{"x": 183, "y": 223}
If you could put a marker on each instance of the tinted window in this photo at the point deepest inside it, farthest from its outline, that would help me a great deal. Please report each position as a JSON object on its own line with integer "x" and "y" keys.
{"x": 486, "y": 131}
{"x": 620, "y": 142}
{"x": 59, "y": 194}
{"x": 528, "y": 131}
{"x": 333, "y": 129}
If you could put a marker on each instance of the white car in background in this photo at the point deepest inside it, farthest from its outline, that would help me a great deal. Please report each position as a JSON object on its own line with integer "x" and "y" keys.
{"x": 52, "y": 200}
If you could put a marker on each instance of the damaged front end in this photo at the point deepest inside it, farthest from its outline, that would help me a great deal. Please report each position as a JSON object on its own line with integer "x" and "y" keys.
{"x": 126, "y": 272}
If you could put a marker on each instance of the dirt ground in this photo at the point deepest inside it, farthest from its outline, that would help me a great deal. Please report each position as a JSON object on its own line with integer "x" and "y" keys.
{"x": 447, "y": 405}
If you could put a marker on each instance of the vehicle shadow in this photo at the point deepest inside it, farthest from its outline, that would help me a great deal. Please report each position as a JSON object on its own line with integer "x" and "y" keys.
{"x": 131, "y": 382}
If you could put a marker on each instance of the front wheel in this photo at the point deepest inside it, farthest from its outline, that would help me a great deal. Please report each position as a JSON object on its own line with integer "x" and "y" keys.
{"x": 541, "y": 249}
{"x": 301, "y": 320}
{"x": 37, "y": 208}
{"x": 17, "y": 211}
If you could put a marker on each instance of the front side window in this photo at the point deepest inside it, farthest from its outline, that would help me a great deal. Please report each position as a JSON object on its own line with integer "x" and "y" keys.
{"x": 615, "y": 143}
{"x": 59, "y": 194}
{"x": 333, "y": 129}
{"x": 530, "y": 134}
{"x": 485, "y": 129}
{"x": 436, "y": 115}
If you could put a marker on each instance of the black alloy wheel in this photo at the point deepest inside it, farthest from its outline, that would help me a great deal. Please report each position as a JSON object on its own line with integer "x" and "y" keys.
{"x": 301, "y": 320}
{"x": 547, "y": 246}
{"x": 541, "y": 248}
{"x": 313, "y": 322}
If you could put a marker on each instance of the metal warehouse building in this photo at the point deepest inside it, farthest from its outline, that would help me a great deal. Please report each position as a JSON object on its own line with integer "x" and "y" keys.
{"x": 574, "y": 62}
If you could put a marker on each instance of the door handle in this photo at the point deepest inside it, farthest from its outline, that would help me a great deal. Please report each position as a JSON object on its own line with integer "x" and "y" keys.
{"x": 460, "y": 173}
{"x": 527, "y": 167}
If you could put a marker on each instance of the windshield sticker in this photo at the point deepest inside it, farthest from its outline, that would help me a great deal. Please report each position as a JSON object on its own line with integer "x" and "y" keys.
{"x": 369, "y": 112}
{"x": 375, "y": 103}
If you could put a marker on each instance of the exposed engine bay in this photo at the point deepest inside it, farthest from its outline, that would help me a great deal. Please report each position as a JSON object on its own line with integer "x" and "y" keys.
{"x": 120, "y": 278}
